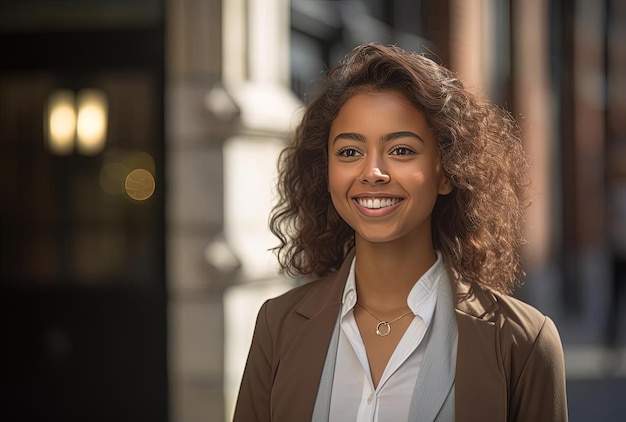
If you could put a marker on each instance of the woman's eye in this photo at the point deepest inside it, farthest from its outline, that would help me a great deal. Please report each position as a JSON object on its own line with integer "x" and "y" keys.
{"x": 348, "y": 152}
{"x": 402, "y": 151}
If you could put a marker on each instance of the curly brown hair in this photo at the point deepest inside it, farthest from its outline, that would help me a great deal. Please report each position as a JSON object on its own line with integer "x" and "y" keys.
{"x": 479, "y": 227}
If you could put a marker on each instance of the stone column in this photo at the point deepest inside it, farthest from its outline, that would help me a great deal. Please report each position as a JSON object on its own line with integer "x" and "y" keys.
{"x": 229, "y": 113}
{"x": 194, "y": 206}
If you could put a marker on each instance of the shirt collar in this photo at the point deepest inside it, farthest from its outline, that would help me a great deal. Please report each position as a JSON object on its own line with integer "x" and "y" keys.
{"x": 349, "y": 292}
{"x": 420, "y": 299}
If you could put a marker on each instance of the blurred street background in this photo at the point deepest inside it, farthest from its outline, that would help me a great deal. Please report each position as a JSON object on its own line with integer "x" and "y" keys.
{"x": 138, "y": 146}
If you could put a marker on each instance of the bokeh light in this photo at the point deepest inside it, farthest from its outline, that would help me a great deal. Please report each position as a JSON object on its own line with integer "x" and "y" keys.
{"x": 140, "y": 184}
{"x": 60, "y": 122}
{"x": 91, "y": 128}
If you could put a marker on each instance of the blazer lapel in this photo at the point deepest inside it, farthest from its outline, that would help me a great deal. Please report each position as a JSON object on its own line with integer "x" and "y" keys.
{"x": 480, "y": 385}
{"x": 301, "y": 366}
{"x": 436, "y": 376}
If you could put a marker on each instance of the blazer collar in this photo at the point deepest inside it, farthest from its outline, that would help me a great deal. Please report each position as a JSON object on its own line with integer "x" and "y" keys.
{"x": 473, "y": 300}
{"x": 320, "y": 299}
{"x": 468, "y": 298}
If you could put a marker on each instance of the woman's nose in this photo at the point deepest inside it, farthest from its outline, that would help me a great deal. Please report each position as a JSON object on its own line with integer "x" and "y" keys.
{"x": 374, "y": 176}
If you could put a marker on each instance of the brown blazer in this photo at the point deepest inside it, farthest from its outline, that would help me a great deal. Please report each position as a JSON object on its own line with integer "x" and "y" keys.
{"x": 509, "y": 363}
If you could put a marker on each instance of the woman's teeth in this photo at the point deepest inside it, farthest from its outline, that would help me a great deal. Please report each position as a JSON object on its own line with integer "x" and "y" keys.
{"x": 377, "y": 202}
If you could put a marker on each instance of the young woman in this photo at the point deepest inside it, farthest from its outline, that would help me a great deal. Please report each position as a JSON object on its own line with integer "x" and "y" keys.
{"x": 403, "y": 196}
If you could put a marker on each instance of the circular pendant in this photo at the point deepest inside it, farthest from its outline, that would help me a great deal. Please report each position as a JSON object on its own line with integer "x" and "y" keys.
{"x": 385, "y": 331}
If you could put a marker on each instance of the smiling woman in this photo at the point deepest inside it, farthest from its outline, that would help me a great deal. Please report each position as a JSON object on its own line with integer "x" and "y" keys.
{"x": 403, "y": 196}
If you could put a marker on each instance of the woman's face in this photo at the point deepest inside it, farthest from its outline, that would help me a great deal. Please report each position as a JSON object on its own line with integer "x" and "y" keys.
{"x": 383, "y": 168}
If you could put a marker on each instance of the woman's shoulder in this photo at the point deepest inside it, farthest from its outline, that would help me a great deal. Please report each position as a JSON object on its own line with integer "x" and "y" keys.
{"x": 524, "y": 323}
{"x": 519, "y": 314}
{"x": 528, "y": 346}
{"x": 519, "y": 323}
{"x": 523, "y": 330}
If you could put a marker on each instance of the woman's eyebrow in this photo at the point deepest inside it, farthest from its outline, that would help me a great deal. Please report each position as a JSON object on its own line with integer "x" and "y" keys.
{"x": 350, "y": 136}
{"x": 401, "y": 134}
{"x": 385, "y": 138}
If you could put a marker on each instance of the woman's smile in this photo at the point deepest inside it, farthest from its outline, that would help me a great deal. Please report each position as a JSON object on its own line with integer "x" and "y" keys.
{"x": 377, "y": 206}
{"x": 377, "y": 202}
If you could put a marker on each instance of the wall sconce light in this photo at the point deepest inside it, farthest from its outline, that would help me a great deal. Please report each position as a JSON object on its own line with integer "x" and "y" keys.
{"x": 76, "y": 121}
{"x": 91, "y": 125}
{"x": 60, "y": 122}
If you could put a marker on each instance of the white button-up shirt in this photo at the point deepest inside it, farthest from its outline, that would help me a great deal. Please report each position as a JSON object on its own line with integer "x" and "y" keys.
{"x": 354, "y": 397}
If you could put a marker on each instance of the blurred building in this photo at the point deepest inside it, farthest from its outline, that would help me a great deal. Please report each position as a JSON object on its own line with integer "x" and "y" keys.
{"x": 82, "y": 252}
{"x": 138, "y": 141}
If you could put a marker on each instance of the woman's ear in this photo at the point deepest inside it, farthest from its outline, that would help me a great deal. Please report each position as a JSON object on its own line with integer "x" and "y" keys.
{"x": 445, "y": 185}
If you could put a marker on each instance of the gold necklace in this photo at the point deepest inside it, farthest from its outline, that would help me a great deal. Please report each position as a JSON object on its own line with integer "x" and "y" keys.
{"x": 381, "y": 323}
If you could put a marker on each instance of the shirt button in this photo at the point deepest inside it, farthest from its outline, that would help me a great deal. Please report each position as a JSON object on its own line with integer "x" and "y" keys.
{"x": 369, "y": 399}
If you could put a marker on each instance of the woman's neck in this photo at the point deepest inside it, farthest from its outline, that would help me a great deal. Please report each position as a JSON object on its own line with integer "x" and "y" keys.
{"x": 386, "y": 272}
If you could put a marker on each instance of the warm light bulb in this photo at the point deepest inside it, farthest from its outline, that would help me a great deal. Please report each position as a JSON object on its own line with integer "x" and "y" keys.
{"x": 92, "y": 121}
{"x": 60, "y": 122}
